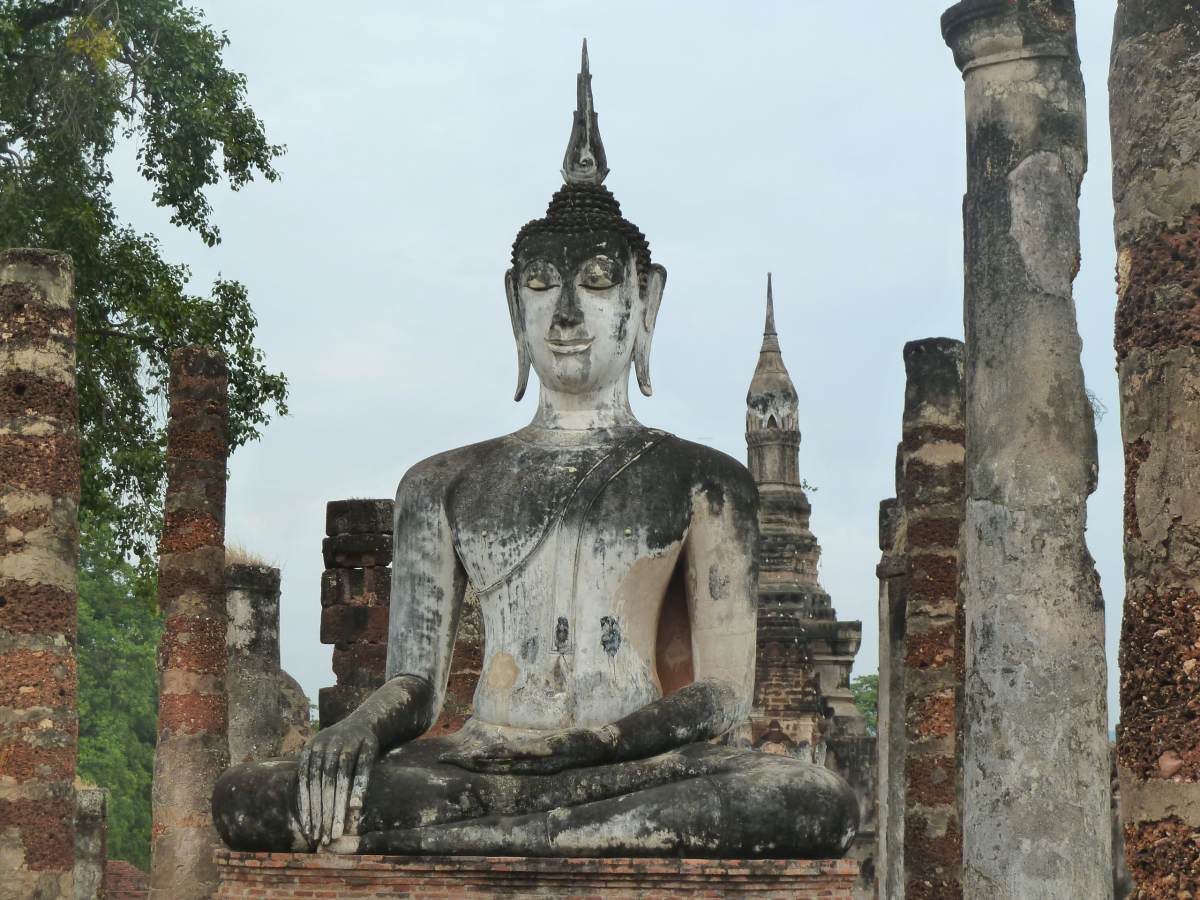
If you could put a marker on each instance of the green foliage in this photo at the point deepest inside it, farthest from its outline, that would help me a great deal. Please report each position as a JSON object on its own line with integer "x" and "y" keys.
{"x": 866, "y": 698}
{"x": 119, "y": 628}
{"x": 76, "y": 75}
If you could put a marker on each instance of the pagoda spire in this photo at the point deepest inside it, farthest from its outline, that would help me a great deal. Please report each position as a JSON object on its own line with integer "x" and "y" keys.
{"x": 769, "y": 328}
{"x": 770, "y": 335}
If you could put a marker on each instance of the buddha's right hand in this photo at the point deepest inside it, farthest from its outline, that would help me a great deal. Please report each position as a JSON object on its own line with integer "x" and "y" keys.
{"x": 333, "y": 772}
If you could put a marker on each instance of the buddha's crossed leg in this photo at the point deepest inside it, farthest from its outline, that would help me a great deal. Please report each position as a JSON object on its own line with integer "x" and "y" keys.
{"x": 700, "y": 800}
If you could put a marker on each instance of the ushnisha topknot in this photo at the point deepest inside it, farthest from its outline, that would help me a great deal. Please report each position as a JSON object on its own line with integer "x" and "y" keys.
{"x": 583, "y": 204}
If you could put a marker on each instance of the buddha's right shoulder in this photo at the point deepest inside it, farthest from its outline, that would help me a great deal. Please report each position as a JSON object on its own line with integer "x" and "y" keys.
{"x": 437, "y": 474}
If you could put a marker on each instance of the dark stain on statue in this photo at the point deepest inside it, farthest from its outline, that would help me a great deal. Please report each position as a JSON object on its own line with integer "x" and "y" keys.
{"x": 562, "y": 634}
{"x": 529, "y": 649}
{"x": 718, "y": 583}
{"x": 610, "y": 635}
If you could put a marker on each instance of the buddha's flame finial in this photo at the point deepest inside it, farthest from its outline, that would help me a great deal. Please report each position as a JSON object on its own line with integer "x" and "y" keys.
{"x": 584, "y": 162}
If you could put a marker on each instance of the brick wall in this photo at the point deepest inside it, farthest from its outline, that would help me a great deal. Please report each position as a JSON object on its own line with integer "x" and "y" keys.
{"x": 276, "y": 876}
{"x": 125, "y": 881}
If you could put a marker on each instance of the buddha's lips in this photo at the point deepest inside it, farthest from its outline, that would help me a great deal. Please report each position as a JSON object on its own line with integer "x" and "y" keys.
{"x": 567, "y": 348}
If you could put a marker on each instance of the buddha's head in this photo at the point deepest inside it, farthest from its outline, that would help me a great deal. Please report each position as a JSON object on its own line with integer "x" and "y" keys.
{"x": 582, "y": 291}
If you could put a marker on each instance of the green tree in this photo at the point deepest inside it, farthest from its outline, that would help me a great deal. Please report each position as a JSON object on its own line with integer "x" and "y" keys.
{"x": 76, "y": 76}
{"x": 119, "y": 627}
{"x": 866, "y": 697}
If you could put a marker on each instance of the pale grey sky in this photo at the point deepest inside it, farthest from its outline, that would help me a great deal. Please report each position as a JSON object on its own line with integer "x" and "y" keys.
{"x": 821, "y": 141}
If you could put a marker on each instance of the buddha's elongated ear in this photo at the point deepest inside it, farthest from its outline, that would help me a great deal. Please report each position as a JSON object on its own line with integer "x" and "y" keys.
{"x": 518, "y": 327}
{"x": 655, "y": 282}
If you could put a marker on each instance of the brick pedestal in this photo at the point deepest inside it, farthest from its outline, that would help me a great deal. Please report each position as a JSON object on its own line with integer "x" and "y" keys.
{"x": 280, "y": 876}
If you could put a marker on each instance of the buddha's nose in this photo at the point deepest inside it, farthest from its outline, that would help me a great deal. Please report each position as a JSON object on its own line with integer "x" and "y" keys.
{"x": 567, "y": 312}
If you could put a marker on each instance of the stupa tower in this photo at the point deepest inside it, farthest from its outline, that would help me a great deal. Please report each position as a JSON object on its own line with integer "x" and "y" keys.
{"x": 788, "y": 552}
{"x": 804, "y": 653}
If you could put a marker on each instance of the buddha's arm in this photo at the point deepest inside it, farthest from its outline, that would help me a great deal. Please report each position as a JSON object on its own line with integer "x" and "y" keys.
{"x": 720, "y": 580}
{"x": 428, "y": 583}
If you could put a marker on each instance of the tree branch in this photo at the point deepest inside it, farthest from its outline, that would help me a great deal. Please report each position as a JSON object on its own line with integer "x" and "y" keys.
{"x": 51, "y": 12}
{"x": 145, "y": 343}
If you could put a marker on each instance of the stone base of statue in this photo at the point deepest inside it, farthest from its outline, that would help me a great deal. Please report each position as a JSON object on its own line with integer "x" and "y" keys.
{"x": 281, "y": 876}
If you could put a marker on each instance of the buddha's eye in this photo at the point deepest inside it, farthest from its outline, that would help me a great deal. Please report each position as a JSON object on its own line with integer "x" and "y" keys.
{"x": 600, "y": 273}
{"x": 541, "y": 276}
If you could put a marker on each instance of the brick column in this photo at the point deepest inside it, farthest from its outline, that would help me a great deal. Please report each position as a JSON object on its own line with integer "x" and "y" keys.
{"x": 1154, "y": 83}
{"x": 39, "y": 555}
{"x": 256, "y": 716}
{"x": 1035, "y": 766}
{"x": 193, "y": 745}
{"x": 356, "y": 591}
{"x": 931, "y": 493}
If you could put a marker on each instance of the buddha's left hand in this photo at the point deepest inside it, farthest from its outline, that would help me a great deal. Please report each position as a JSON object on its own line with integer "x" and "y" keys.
{"x": 575, "y": 748}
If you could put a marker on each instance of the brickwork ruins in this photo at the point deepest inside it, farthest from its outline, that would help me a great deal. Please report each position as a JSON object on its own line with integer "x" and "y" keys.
{"x": 891, "y": 734}
{"x": 931, "y": 490}
{"x": 356, "y": 591}
{"x": 1154, "y": 82}
{"x": 193, "y": 708}
{"x": 39, "y": 552}
{"x": 803, "y": 705}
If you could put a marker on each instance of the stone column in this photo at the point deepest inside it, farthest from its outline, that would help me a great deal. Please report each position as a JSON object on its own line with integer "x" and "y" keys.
{"x": 91, "y": 833}
{"x": 193, "y": 747}
{"x": 256, "y": 719}
{"x": 1154, "y": 84}
{"x": 39, "y": 555}
{"x": 890, "y": 743}
{"x": 931, "y": 492}
{"x": 1035, "y": 750}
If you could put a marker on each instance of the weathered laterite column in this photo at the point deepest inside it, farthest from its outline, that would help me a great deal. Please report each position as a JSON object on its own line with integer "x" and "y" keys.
{"x": 932, "y": 488}
{"x": 39, "y": 554}
{"x": 1153, "y": 89}
{"x": 256, "y": 715}
{"x": 892, "y": 572}
{"x": 1036, "y": 788}
{"x": 193, "y": 747}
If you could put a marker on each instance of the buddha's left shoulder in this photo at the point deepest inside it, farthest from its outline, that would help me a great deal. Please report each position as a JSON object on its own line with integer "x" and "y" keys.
{"x": 707, "y": 469}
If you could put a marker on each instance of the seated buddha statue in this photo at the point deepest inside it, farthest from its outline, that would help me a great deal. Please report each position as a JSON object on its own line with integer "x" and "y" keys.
{"x": 614, "y": 565}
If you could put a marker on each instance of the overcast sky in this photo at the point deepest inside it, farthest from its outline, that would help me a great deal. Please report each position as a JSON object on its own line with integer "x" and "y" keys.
{"x": 821, "y": 141}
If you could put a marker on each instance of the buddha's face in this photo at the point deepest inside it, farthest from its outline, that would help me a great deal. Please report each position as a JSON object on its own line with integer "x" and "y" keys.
{"x": 578, "y": 307}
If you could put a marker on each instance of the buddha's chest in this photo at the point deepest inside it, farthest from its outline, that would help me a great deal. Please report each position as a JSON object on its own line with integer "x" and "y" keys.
{"x": 572, "y": 555}
{"x": 566, "y": 519}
